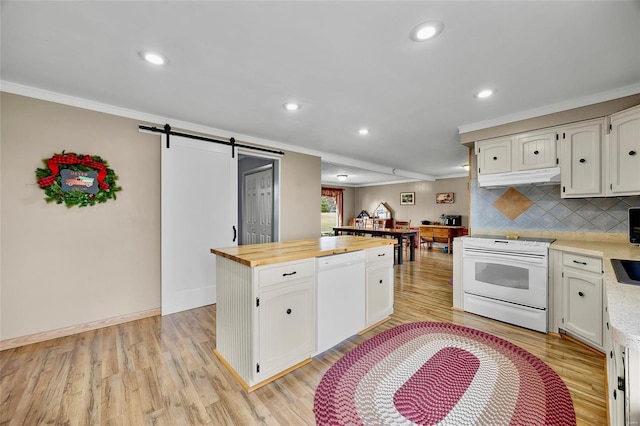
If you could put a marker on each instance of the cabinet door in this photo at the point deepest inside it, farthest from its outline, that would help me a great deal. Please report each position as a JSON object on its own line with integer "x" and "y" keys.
{"x": 616, "y": 397}
{"x": 379, "y": 293}
{"x": 535, "y": 151}
{"x": 582, "y": 307}
{"x": 624, "y": 145}
{"x": 286, "y": 327}
{"x": 494, "y": 155}
{"x": 581, "y": 160}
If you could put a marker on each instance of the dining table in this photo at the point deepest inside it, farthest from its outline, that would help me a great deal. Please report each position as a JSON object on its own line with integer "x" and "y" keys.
{"x": 398, "y": 233}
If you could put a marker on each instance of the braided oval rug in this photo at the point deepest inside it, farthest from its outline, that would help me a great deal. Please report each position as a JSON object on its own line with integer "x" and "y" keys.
{"x": 431, "y": 373}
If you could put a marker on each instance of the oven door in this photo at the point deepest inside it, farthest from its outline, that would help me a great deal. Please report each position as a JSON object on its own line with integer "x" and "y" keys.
{"x": 510, "y": 276}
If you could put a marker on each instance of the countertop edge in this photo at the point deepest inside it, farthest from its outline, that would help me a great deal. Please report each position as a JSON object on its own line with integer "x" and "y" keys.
{"x": 305, "y": 253}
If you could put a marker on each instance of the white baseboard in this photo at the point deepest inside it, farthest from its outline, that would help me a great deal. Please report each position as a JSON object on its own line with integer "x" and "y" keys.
{"x": 75, "y": 329}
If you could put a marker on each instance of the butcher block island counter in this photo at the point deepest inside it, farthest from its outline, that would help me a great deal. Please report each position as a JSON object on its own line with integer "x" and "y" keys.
{"x": 279, "y": 304}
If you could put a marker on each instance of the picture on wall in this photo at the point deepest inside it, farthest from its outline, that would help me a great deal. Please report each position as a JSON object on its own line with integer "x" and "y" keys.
{"x": 407, "y": 198}
{"x": 444, "y": 198}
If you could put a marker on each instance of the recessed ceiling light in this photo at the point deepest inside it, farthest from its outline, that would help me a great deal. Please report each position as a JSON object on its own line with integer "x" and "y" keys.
{"x": 342, "y": 178}
{"x": 291, "y": 106}
{"x": 426, "y": 30}
{"x": 484, "y": 93}
{"x": 154, "y": 58}
{"x": 363, "y": 131}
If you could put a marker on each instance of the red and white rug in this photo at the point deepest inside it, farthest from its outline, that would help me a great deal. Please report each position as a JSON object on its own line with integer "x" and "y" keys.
{"x": 431, "y": 373}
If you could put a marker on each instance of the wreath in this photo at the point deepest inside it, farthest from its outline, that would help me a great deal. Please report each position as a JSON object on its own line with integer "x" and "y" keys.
{"x": 89, "y": 180}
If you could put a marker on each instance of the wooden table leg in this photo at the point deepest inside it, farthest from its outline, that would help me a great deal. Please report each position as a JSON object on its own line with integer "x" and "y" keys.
{"x": 412, "y": 249}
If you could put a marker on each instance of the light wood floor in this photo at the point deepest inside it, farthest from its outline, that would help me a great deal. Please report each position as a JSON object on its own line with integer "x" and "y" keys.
{"x": 161, "y": 370}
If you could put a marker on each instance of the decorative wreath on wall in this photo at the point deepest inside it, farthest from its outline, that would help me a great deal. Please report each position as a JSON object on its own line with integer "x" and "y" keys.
{"x": 77, "y": 179}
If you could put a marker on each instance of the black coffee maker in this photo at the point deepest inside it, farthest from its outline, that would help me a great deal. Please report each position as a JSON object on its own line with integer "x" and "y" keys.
{"x": 453, "y": 220}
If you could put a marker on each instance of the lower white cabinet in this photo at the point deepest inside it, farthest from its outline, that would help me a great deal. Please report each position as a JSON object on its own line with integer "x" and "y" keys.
{"x": 582, "y": 307}
{"x": 265, "y": 317}
{"x": 623, "y": 384}
{"x": 379, "y": 284}
{"x": 287, "y": 320}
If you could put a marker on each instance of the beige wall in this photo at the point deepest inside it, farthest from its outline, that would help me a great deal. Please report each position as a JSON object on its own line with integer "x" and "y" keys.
{"x": 60, "y": 266}
{"x": 299, "y": 197}
{"x": 425, "y": 208}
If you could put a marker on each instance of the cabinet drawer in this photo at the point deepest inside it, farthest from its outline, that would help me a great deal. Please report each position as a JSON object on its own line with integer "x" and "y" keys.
{"x": 380, "y": 253}
{"x": 286, "y": 272}
{"x": 441, "y": 233}
{"x": 584, "y": 263}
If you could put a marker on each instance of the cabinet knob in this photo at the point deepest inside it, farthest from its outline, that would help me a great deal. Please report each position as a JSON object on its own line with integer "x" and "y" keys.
{"x": 581, "y": 294}
{"x": 607, "y": 325}
{"x": 536, "y": 152}
{"x": 611, "y": 354}
{"x": 632, "y": 153}
{"x": 380, "y": 281}
{"x": 582, "y": 160}
{"x": 495, "y": 158}
{"x": 288, "y": 311}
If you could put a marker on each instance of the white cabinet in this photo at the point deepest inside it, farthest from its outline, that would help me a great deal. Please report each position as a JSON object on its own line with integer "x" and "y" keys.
{"x": 595, "y": 166}
{"x": 582, "y": 307}
{"x": 494, "y": 155}
{"x": 287, "y": 320}
{"x": 581, "y": 165}
{"x": 265, "y": 317}
{"x": 526, "y": 151}
{"x": 624, "y": 152}
{"x": 379, "y": 284}
{"x": 615, "y": 368}
{"x": 623, "y": 384}
{"x": 535, "y": 150}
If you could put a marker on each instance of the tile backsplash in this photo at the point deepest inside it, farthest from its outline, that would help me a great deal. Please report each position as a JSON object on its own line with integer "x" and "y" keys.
{"x": 541, "y": 208}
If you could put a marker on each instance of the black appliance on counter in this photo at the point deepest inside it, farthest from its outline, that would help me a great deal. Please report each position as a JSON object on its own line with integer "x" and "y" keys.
{"x": 453, "y": 220}
{"x": 634, "y": 225}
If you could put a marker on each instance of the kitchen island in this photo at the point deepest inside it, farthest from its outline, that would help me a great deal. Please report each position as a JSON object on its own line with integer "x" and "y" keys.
{"x": 267, "y": 315}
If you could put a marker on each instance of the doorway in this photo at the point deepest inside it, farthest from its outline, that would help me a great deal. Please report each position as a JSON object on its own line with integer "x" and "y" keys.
{"x": 258, "y": 200}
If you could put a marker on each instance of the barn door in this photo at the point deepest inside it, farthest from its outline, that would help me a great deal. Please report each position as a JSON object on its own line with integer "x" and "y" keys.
{"x": 199, "y": 212}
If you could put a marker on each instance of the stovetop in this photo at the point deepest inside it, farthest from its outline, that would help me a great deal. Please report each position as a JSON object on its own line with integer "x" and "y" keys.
{"x": 505, "y": 238}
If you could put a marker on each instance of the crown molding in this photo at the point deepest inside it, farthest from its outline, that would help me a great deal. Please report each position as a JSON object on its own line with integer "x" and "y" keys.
{"x": 46, "y": 95}
{"x": 554, "y": 108}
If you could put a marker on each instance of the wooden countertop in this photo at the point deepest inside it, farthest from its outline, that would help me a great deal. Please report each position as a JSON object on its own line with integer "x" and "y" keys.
{"x": 623, "y": 299}
{"x": 253, "y": 255}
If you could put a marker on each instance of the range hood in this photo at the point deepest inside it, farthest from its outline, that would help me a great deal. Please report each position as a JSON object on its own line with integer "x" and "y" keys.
{"x": 549, "y": 176}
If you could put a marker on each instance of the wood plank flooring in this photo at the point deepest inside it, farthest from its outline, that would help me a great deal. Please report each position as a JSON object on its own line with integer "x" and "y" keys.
{"x": 162, "y": 371}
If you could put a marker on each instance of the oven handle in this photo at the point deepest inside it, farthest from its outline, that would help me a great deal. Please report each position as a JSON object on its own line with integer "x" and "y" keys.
{"x": 533, "y": 259}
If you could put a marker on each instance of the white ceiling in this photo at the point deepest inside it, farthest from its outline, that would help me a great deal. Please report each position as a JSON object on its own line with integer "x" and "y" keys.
{"x": 350, "y": 64}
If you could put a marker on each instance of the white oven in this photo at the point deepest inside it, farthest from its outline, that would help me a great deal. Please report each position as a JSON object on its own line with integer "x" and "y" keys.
{"x": 506, "y": 280}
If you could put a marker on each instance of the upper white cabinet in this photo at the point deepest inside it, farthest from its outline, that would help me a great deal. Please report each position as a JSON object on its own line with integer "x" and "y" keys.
{"x": 527, "y": 151}
{"x": 592, "y": 163}
{"x": 581, "y": 159}
{"x": 494, "y": 155}
{"x": 624, "y": 152}
{"x": 535, "y": 150}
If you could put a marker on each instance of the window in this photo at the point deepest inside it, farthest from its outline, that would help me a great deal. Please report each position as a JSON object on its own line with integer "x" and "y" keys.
{"x": 330, "y": 210}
